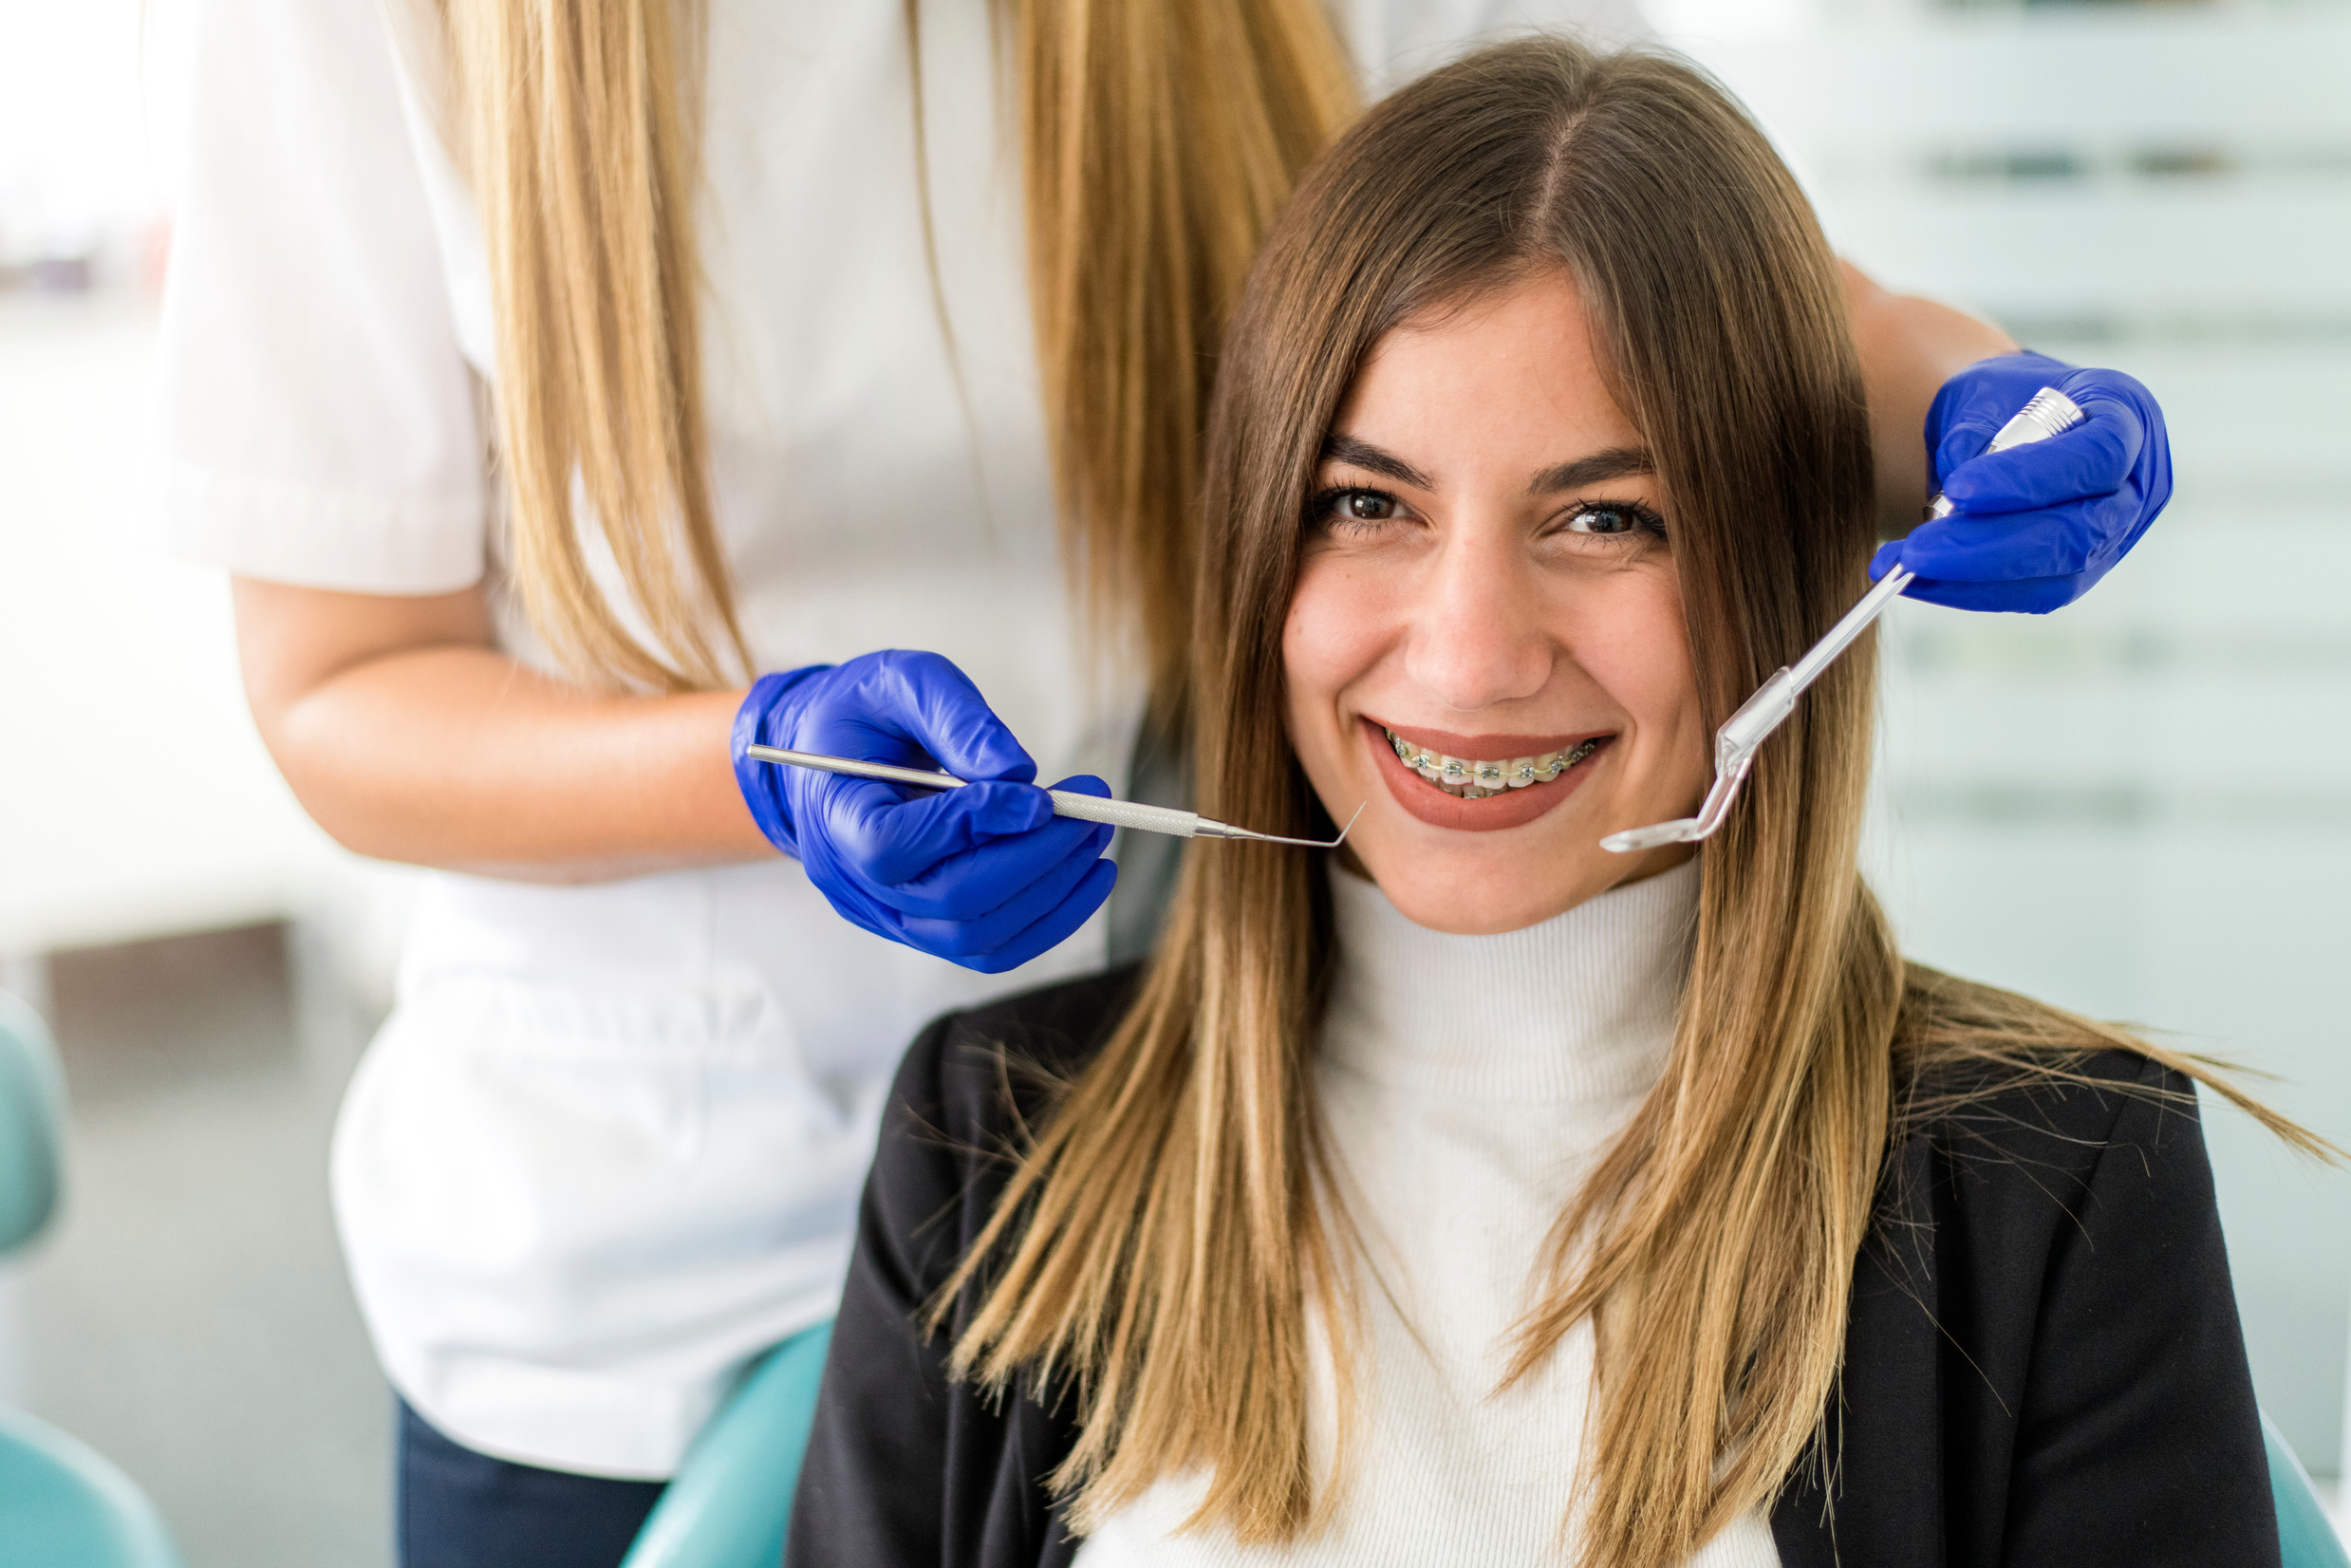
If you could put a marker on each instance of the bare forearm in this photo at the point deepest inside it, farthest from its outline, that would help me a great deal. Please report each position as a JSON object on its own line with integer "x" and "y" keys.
{"x": 1908, "y": 347}
{"x": 441, "y": 750}
{"x": 462, "y": 758}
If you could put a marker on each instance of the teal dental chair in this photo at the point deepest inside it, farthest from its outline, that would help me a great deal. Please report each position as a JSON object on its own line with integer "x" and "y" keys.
{"x": 732, "y": 1501}
{"x": 62, "y": 1504}
{"x": 2306, "y": 1537}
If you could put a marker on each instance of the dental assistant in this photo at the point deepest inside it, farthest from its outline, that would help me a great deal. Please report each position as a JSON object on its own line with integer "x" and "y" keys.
{"x": 576, "y": 393}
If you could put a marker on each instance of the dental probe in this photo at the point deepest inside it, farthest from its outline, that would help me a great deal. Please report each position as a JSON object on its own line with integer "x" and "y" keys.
{"x": 2049, "y": 412}
{"x": 1086, "y": 808}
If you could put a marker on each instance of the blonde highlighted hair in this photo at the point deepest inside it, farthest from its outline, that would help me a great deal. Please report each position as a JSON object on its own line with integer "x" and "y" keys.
{"x": 1157, "y": 141}
{"x": 1170, "y": 1232}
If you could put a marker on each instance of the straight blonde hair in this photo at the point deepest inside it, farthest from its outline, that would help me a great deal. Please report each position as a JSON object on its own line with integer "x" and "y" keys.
{"x": 578, "y": 127}
{"x": 1168, "y": 1233}
{"x": 1157, "y": 141}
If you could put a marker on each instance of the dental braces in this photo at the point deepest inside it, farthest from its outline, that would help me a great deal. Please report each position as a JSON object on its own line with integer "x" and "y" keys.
{"x": 1488, "y": 777}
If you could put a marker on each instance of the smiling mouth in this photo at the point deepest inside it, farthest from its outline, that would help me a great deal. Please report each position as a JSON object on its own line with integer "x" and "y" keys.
{"x": 1471, "y": 778}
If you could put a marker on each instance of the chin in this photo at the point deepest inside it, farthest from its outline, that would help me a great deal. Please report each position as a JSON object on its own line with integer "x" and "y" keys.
{"x": 1470, "y": 917}
{"x": 1485, "y": 889}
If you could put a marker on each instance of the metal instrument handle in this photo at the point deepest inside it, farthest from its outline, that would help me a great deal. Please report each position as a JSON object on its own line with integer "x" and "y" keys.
{"x": 1125, "y": 814}
{"x": 2049, "y": 412}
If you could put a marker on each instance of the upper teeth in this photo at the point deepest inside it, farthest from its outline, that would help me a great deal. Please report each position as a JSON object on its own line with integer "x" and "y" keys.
{"x": 1475, "y": 780}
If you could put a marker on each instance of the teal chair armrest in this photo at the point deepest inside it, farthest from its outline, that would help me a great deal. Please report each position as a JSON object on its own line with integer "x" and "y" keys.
{"x": 32, "y": 1113}
{"x": 65, "y": 1505}
{"x": 730, "y": 1501}
{"x": 2305, "y": 1535}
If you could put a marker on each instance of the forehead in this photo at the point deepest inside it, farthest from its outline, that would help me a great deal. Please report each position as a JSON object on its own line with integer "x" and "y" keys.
{"x": 1510, "y": 372}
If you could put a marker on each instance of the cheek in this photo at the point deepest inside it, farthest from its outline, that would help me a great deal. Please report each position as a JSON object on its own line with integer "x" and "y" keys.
{"x": 1334, "y": 633}
{"x": 1636, "y": 647}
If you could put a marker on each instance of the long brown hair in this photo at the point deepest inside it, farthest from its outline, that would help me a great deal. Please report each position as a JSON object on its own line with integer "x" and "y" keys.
{"x": 1157, "y": 141}
{"x": 1162, "y": 1243}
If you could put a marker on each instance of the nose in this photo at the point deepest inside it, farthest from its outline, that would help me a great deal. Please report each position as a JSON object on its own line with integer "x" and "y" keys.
{"x": 1478, "y": 633}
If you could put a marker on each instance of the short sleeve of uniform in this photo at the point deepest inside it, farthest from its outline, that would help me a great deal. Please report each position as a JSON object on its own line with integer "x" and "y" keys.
{"x": 313, "y": 421}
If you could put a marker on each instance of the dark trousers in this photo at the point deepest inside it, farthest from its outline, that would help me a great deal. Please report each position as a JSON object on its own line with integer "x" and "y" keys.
{"x": 462, "y": 1509}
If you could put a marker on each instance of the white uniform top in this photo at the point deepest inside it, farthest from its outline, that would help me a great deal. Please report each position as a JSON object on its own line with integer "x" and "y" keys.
{"x": 609, "y": 1145}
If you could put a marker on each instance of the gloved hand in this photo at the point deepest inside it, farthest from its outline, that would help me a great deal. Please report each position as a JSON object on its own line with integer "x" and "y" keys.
{"x": 985, "y": 875}
{"x": 2038, "y": 524}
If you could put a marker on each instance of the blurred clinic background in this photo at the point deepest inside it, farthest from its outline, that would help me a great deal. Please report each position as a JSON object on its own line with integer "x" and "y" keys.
{"x": 2139, "y": 808}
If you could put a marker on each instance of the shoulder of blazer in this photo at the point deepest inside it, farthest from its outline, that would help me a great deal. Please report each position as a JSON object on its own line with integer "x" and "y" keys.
{"x": 969, "y": 1090}
{"x": 1990, "y": 1168}
{"x": 2044, "y": 1251}
{"x": 985, "y": 1068}
{"x": 2001, "y": 1131}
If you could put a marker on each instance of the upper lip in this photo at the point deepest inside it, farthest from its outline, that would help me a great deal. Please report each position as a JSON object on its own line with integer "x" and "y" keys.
{"x": 1487, "y": 748}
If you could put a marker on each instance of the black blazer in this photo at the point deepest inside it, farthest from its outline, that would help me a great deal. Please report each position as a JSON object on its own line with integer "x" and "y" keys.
{"x": 2042, "y": 1363}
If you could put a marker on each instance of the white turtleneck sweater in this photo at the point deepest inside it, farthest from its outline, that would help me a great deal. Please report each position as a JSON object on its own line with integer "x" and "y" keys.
{"x": 1469, "y": 1085}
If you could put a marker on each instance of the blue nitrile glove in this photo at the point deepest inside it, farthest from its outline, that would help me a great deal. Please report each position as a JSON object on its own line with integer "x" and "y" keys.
{"x": 2038, "y": 524}
{"x": 985, "y": 875}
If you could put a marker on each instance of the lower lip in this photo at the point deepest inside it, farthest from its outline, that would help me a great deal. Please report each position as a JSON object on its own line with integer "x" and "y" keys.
{"x": 1514, "y": 808}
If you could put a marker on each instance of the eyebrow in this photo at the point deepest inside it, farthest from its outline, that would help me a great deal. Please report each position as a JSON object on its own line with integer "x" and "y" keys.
{"x": 1612, "y": 462}
{"x": 1346, "y": 449}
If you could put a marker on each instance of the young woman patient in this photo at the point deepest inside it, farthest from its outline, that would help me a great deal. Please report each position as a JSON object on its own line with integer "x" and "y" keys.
{"x": 1474, "y": 1195}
